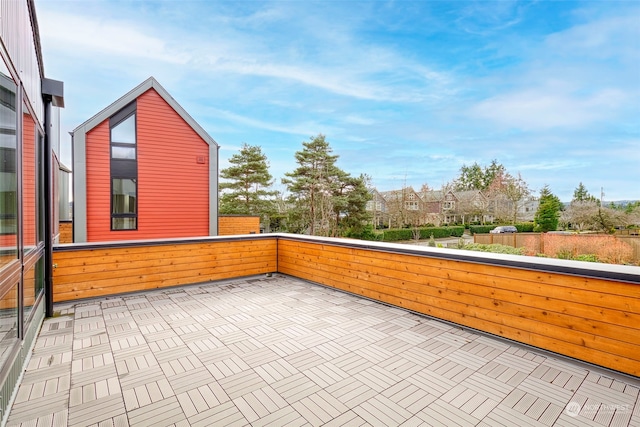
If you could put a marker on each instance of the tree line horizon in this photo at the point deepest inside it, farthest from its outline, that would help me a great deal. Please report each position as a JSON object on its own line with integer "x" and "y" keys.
{"x": 323, "y": 199}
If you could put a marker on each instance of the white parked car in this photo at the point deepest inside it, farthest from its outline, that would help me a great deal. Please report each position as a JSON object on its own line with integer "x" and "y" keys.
{"x": 504, "y": 229}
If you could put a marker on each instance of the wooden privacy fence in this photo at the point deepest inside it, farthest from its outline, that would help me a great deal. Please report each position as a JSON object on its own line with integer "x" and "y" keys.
{"x": 66, "y": 232}
{"x": 520, "y": 240}
{"x": 582, "y": 310}
{"x": 232, "y": 225}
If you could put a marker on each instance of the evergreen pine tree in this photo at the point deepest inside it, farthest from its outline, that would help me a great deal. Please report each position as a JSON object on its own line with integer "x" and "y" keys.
{"x": 580, "y": 194}
{"x": 548, "y": 213}
{"x": 247, "y": 183}
{"x": 324, "y": 199}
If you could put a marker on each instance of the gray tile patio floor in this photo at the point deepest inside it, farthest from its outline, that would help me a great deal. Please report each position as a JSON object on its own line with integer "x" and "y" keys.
{"x": 280, "y": 351}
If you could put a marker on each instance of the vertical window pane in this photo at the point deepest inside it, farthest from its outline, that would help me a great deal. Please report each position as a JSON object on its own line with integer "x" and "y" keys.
{"x": 123, "y": 223}
{"x": 124, "y": 196}
{"x": 8, "y": 177}
{"x": 33, "y": 286}
{"x": 124, "y": 204}
{"x": 8, "y": 322}
{"x": 125, "y": 131}
{"x": 124, "y": 200}
{"x": 119, "y": 152}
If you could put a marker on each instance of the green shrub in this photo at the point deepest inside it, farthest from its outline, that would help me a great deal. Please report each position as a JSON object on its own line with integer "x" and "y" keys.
{"x": 441, "y": 232}
{"x": 365, "y": 233}
{"x": 587, "y": 258}
{"x": 494, "y": 248}
{"x": 399, "y": 234}
{"x": 457, "y": 231}
{"x": 525, "y": 227}
{"x": 480, "y": 229}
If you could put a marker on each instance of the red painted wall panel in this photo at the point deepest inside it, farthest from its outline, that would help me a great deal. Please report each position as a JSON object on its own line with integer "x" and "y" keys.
{"x": 98, "y": 184}
{"x": 173, "y": 186}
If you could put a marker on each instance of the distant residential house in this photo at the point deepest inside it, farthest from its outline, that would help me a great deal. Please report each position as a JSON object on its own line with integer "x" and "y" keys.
{"x": 507, "y": 211}
{"x": 527, "y": 209}
{"x": 470, "y": 207}
{"x": 406, "y": 206}
{"x": 451, "y": 207}
{"x": 432, "y": 206}
{"x": 403, "y": 207}
{"x": 377, "y": 206}
{"x": 143, "y": 169}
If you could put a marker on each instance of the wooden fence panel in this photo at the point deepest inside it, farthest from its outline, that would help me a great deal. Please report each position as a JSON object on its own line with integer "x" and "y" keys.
{"x": 66, "y": 232}
{"x": 634, "y": 242}
{"x": 84, "y": 273}
{"x": 231, "y": 225}
{"x": 595, "y": 320}
{"x": 519, "y": 240}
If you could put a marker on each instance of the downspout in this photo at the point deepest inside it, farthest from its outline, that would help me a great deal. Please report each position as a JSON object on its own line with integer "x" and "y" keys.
{"x": 48, "y": 213}
{"x": 53, "y": 96}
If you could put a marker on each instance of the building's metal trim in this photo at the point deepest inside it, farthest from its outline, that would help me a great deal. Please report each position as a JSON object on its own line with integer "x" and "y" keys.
{"x": 79, "y": 186}
{"x": 213, "y": 189}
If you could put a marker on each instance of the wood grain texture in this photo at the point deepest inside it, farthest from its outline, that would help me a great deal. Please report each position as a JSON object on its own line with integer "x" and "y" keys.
{"x": 233, "y": 225}
{"x": 594, "y": 320}
{"x": 89, "y": 273}
{"x": 66, "y": 232}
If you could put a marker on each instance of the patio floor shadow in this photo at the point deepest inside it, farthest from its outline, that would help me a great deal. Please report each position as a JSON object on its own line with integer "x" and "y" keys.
{"x": 281, "y": 351}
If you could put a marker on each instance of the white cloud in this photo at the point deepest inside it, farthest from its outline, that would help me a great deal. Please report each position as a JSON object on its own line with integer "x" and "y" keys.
{"x": 544, "y": 108}
{"x": 99, "y": 37}
{"x": 612, "y": 36}
{"x": 344, "y": 67}
{"x": 306, "y": 129}
{"x": 359, "y": 120}
{"x": 551, "y": 165}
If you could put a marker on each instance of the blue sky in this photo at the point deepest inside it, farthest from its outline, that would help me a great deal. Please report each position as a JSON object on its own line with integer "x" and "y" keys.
{"x": 406, "y": 92}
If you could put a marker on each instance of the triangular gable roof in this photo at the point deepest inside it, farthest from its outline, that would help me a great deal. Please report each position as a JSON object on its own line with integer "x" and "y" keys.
{"x": 468, "y": 194}
{"x": 432, "y": 195}
{"x": 397, "y": 194}
{"x": 132, "y": 95}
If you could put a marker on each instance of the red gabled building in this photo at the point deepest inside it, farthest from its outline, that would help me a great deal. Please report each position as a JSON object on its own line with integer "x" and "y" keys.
{"x": 143, "y": 169}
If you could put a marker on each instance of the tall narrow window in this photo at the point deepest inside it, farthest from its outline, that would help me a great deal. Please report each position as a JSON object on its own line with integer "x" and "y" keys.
{"x": 124, "y": 169}
{"x": 8, "y": 170}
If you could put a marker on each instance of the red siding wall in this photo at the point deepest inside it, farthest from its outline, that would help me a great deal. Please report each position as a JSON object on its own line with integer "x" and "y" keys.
{"x": 173, "y": 186}
{"x": 98, "y": 186}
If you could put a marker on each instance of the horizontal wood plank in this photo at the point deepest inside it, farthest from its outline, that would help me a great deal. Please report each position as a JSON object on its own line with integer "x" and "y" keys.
{"x": 589, "y": 319}
{"x": 85, "y": 273}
